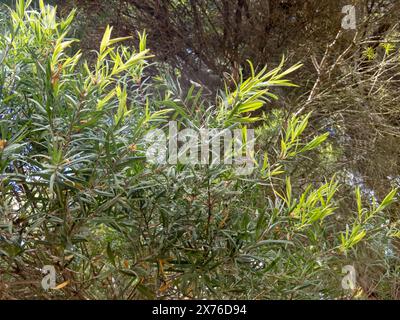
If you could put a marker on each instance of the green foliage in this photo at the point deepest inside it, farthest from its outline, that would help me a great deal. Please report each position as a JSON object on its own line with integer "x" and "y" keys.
{"x": 362, "y": 223}
{"x": 251, "y": 94}
{"x": 77, "y": 192}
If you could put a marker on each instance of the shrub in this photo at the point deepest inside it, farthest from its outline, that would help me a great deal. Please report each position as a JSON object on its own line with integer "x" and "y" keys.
{"x": 77, "y": 191}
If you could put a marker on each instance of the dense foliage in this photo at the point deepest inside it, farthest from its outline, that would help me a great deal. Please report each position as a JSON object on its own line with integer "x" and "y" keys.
{"x": 77, "y": 192}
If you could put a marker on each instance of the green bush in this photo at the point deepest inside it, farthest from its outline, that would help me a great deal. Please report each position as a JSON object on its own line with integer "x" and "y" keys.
{"x": 77, "y": 192}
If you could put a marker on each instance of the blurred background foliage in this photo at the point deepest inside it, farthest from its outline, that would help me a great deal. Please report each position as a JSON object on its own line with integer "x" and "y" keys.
{"x": 76, "y": 191}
